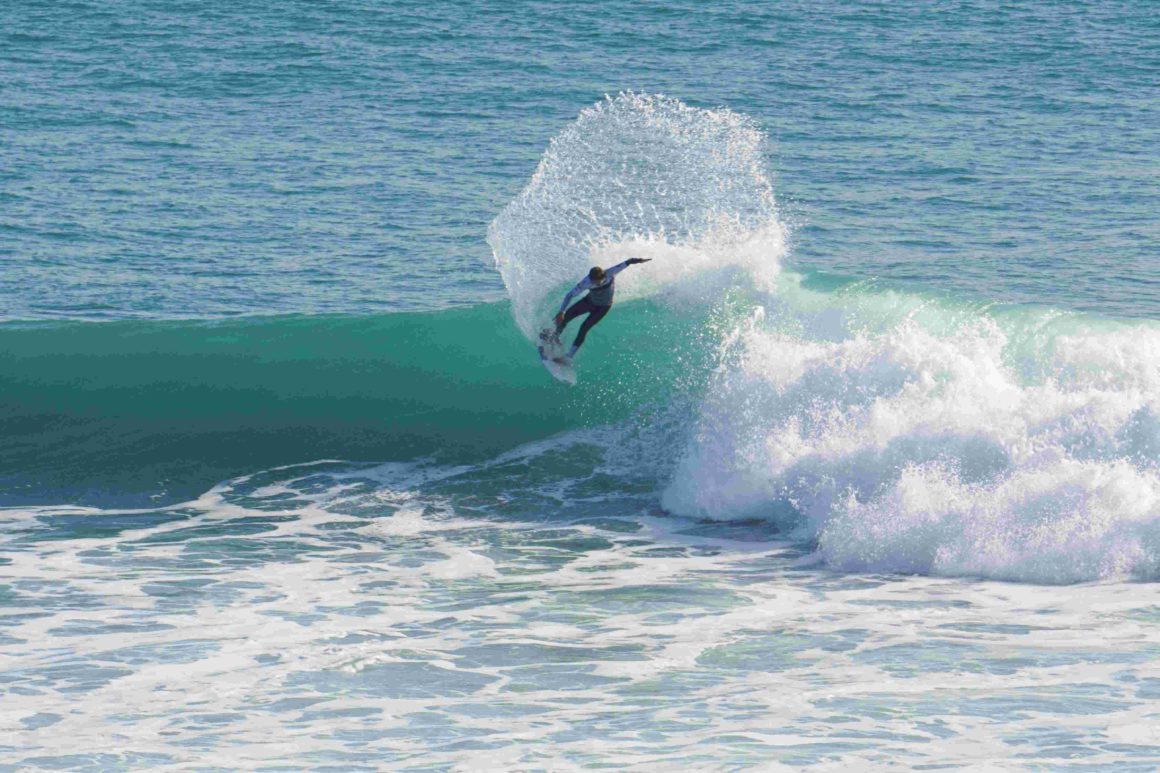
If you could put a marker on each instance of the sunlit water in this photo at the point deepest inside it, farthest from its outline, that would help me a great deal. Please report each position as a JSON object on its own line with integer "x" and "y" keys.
{"x": 862, "y": 472}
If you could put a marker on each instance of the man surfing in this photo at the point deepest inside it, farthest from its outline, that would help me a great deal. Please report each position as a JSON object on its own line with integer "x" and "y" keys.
{"x": 600, "y": 285}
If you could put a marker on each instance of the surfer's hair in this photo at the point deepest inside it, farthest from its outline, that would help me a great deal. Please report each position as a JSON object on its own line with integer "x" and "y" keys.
{"x": 596, "y": 273}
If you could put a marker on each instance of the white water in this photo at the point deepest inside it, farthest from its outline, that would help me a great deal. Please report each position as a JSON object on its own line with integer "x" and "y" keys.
{"x": 535, "y": 612}
{"x": 937, "y": 438}
{"x": 896, "y": 433}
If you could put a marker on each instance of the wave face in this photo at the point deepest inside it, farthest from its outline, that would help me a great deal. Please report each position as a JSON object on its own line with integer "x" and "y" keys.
{"x": 141, "y": 412}
{"x": 143, "y": 409}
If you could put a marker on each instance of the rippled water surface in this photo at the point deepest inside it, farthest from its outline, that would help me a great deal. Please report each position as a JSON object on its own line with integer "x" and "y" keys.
{"x": 861, "y": 472}
{"x": 196, "y": 159}
{"x": 419, "y": 618}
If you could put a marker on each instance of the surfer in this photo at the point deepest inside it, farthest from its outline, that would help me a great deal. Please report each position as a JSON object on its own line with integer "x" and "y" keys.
{"x": 600, "y": 285}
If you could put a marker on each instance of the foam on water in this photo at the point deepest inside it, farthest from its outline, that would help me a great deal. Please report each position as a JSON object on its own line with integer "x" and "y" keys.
{"x": 917, "y": 436}
{"x": 533, "y": 611}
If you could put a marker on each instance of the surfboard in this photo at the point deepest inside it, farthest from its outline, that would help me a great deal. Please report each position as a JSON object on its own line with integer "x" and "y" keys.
{"x": 553, "y": 360}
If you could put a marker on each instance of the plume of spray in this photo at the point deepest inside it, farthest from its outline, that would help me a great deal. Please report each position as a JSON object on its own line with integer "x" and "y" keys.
{"x": 645, "y": 176}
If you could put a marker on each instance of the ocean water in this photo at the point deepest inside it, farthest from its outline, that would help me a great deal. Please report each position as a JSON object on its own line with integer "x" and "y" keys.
{"x": 863, "y": 469}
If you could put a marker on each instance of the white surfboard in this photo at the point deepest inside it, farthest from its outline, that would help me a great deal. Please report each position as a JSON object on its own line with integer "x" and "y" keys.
{"x": 553, "y": 359}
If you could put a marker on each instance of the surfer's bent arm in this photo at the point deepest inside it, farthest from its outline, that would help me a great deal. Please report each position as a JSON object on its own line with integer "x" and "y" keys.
{"x": 580, "y": 287}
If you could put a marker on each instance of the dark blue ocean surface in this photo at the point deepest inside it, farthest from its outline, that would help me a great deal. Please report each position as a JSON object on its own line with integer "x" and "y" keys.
{"x": 163, "y": 159}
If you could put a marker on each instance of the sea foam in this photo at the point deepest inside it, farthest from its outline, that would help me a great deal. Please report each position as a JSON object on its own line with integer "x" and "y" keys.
{"x": 1017, "y": 445}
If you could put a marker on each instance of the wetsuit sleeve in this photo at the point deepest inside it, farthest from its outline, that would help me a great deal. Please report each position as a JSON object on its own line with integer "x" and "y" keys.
{"x": 580, "y": 287}
{"x": 616, "y": 269}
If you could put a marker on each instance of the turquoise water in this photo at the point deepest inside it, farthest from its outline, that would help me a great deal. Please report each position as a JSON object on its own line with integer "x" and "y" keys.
{"x": 863, "y": 469}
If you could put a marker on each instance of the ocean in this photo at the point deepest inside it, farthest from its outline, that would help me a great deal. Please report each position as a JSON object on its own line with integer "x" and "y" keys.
{"x": 861, "y": 471}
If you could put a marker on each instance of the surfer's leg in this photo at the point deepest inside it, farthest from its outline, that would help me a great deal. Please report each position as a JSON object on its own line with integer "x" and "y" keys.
{"x": 594, "y": 316}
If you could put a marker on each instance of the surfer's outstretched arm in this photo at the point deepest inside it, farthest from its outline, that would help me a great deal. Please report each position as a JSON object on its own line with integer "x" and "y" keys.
{"x": 623, "y": 265}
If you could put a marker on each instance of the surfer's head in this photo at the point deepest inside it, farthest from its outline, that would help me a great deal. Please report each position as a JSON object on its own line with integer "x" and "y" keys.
{"x": 596, "y": 273}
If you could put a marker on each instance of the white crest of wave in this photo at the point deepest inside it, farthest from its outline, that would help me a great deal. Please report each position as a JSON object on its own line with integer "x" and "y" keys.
{"x": 1004, "y": 447}
{"x": 639, "y": 176}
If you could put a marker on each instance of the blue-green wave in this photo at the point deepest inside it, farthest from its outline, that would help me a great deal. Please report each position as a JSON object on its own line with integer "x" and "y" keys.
{"x": 144, "y": 410}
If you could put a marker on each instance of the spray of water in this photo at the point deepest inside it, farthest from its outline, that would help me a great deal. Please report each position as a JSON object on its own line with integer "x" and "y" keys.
{"x": 639, "y": 175}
